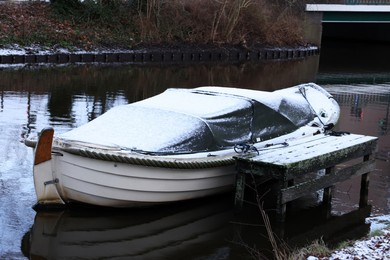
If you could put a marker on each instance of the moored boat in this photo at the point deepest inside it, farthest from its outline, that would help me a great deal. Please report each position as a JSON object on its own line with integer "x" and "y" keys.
{"x": 175, "y": 146}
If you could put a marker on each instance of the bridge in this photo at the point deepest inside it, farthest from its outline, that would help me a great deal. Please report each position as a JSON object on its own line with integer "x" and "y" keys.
{"x": 353, "y": 19}
{"x": 353, "y": 12}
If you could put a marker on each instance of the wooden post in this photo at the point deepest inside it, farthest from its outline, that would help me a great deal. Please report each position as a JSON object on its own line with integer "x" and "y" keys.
{"x": 290, "y": 183}
{"x": 280, "y": 205}
{"x": 365, "y": 181}
{"x": 240, "y": 190}
{"x": 327, "y": 196}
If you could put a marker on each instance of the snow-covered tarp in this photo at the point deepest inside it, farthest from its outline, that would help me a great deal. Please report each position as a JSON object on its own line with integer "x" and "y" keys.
{"x": 197, "y": 120}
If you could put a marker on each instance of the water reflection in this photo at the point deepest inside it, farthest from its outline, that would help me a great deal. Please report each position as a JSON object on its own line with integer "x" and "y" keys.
{"x": 140, "y": 82}
{"x": 70, "y": 92}
{"x": 192, "y": 230}
{"x": 365, "y": 110}
{"x": 366, "y": 102}
{"x": 60, "y": 105}
{"x": 203, "y": 229}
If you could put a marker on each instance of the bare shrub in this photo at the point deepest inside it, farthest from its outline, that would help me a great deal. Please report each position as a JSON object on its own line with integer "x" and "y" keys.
{"x": 287, "y": 26}
{"x": 235, "y": 21}
{"x": 113, "y": 23}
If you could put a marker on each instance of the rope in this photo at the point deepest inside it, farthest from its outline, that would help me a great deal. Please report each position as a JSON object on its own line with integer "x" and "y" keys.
{"x": 303, "y": 92}
{"x": 208, "y": 162}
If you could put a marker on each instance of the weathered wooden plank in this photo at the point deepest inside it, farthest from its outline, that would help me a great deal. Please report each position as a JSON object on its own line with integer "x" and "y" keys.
{"x": 74, "y": 57}
{"x": 18, "y": 58}
{"x": 365, "y": 181}
{"x": 327, "y": 196}
{"x": 317, "y": 152}
{"x": 63, "y": 58}
{"x": 281, "y": 207}
{"x": 363, "y": 200}
{"x": 30, "y": 58}
{"x": 87, "y": 57}
{"x": 240, "y": 190}
{"x": 308, "y": 147}
{"x": 332, "y": 158}
{"x": 301, "y": 189}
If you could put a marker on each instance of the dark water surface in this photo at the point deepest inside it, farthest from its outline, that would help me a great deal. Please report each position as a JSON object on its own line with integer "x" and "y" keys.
{"x": 69, "y": 96}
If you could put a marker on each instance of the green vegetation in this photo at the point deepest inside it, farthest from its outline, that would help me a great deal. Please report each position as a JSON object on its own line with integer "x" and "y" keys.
{"x": 380, "y": 232}
{"x": 128, "y": 24}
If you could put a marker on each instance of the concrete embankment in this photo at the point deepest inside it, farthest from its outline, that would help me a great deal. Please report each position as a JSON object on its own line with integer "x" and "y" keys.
{"x": 161, "y": 56}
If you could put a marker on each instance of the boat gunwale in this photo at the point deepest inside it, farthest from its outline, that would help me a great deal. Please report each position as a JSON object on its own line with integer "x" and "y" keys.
{"x": 143, "y": 159}
{"x": 154, "y": 161}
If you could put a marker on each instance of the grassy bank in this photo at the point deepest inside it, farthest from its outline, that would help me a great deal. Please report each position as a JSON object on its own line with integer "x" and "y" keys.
{"x": 131, "y": 24}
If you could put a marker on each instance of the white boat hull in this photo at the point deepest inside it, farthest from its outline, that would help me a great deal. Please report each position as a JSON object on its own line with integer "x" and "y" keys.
{"x": 114, "y": 184}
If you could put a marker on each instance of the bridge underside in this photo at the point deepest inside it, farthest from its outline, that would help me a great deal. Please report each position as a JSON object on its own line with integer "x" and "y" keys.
{"x": 356, "y": 17}
{"x": 353, "y": 22}
{"x": 378, "y": 32}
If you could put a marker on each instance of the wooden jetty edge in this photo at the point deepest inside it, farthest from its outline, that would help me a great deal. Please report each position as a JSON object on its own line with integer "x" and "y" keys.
{"x": 310, "y": 154}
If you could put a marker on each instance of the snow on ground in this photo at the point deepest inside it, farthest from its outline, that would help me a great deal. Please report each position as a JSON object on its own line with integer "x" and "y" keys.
{"x": 15, "y": 49}
{"x": 375, "y": 247}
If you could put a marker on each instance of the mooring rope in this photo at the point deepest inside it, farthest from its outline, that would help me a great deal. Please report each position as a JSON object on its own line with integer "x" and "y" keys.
{"x": 302, "y": 89}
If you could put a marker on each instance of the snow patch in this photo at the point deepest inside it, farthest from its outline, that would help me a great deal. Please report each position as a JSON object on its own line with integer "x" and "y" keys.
{"x": 377, "y": 247}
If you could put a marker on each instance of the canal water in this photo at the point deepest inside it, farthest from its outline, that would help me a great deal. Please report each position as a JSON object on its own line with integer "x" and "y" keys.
{"x": 68, "y": 96}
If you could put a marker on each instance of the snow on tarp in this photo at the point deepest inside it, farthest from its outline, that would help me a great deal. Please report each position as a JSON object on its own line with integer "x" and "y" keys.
{"x": 193, "y": 120}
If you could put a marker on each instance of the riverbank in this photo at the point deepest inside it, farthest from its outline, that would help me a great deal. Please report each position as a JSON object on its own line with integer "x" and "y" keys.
{"x": 14, "y": 54}
{"x": 151, "y": 31}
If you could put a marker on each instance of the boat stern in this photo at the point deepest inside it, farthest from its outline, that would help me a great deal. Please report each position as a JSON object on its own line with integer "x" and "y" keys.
{"x": 44, "y": 181}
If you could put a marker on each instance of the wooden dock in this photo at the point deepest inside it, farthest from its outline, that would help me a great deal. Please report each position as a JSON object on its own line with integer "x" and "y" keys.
{"x": 287, "y": 163}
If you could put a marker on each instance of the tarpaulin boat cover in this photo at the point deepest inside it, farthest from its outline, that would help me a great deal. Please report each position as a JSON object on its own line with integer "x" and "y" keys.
{"x": 195, "y": 120}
